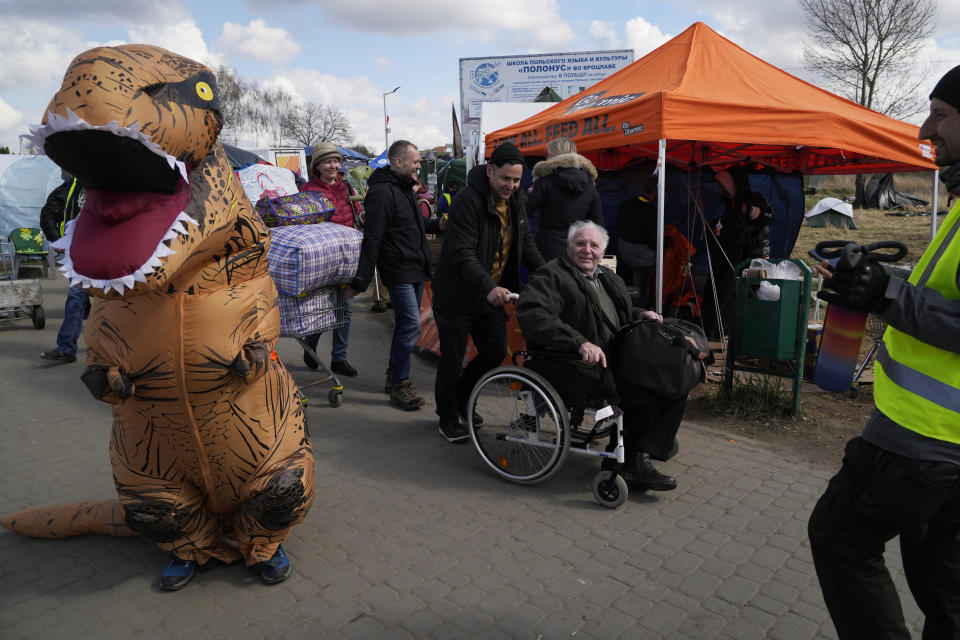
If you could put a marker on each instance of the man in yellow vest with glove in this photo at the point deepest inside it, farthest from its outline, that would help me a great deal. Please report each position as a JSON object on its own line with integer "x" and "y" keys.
{"x": 901, "y": 476}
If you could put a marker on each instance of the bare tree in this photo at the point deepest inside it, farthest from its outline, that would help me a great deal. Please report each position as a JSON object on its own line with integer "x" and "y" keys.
{"x": 231, "y": 90}
{"x": 308, "y": 123}
{"x": 865, "y": 50}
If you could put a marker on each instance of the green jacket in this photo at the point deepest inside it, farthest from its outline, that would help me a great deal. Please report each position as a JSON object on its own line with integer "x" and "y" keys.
{"x": 559, "y": 310}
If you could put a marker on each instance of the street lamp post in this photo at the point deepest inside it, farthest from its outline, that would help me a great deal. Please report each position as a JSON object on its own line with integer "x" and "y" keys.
{"x": 386, "y": 130}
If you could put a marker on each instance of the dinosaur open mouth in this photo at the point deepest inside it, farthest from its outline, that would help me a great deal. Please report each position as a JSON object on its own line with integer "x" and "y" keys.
{"x": 136, "y": 195}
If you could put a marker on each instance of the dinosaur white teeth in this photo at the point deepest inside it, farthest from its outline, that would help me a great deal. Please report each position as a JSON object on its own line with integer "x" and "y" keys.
{"x": 186, "y": 217}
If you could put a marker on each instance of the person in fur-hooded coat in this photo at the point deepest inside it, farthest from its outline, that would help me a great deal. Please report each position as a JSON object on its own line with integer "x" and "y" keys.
{"x": 562, "y": 193}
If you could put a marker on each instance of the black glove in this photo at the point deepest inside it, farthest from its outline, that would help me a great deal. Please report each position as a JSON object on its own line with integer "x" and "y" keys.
{"x": 860, "y": 287}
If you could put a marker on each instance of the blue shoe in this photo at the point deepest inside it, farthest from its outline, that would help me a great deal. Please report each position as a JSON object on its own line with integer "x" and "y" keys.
{"x": 276, "y": 569}
{"x": 177, "y": 573}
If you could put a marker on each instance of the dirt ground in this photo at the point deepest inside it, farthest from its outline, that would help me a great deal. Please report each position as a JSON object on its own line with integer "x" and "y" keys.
{"x": 817, "y": 437}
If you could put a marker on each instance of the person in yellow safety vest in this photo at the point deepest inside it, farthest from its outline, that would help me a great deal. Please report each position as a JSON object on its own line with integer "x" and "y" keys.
{"x": 450, "y": 189}
{"x": 901, "y": 476}
{"x": 63, "y": 205}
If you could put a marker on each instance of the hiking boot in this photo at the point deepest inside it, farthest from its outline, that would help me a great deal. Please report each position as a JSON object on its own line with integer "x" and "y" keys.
{"x": 344, "y": 368}
{"x": 453, "y": 431}
{"x": 405, "y": 396}
{"x": 407, "y": 383}
{"x": 277, "y": 569}
{"x": 640, "y": 473}
{"x": 177, "y": 573}
{"x": 58, "y": 356}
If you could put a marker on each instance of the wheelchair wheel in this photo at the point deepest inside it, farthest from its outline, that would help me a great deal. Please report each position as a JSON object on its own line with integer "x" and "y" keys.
{"x": 609, "y": 493}
{"x": 524, "y": 435}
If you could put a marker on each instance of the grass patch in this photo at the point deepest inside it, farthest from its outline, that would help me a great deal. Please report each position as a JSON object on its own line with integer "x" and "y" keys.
{"x": 762, "y": 401}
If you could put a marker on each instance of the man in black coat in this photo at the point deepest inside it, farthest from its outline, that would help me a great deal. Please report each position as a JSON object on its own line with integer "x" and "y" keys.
{"x": 63, "y": 205}
{"x": 486, "y": 240}
{"x": 395, "y": 242}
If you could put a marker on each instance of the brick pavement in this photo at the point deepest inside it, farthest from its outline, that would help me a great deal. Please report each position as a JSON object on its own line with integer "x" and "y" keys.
{"x": 411, "y": 537}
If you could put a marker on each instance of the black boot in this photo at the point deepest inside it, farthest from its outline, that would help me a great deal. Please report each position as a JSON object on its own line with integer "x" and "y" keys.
{"x": 639, "y": 472}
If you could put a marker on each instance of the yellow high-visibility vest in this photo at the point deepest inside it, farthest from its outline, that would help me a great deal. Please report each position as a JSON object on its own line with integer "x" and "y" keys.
{"x": 916, "y": 384}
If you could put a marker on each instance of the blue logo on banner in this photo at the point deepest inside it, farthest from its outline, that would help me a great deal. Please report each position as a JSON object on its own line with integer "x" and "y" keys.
{"x": 486, "y": 75}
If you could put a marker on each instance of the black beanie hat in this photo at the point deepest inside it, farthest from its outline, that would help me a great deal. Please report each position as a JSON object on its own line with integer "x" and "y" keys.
{"x": 506, "y": 153}
{"x": 948, "y": 89}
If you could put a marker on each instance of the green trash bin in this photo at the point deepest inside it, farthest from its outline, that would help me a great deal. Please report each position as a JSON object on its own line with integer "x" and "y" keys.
{"x": 766, "y": 328}
{"x": 774, "y": 329}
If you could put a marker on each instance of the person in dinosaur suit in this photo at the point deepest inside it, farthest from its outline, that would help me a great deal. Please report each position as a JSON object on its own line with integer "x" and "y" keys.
{"x": 209, "y": 450}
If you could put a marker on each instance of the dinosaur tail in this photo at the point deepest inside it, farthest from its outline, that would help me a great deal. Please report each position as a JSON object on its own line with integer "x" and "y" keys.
{"x": 66, "y": 520}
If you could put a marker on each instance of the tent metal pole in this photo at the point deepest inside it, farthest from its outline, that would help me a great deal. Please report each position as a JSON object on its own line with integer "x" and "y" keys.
{"x": 933, "y": 199}
{"x": 661, "y": 184}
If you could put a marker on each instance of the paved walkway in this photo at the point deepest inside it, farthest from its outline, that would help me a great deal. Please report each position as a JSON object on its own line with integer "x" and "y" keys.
{"x": 411, "y": 537}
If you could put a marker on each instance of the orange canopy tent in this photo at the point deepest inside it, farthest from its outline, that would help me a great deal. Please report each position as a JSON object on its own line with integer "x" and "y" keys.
{"x": 716, "y": 104}
{"x": 700, "y": 101}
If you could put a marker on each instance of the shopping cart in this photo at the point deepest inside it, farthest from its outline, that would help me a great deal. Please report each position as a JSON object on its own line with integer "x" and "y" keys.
{"x": 310, "y": 313}
{"x": 874, "y": 329}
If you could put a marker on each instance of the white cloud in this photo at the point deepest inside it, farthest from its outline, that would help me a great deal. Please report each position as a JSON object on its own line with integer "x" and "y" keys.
{"x": 11, "y": 126}
{"x": 35, "y": 53}
{"x": 183, "y": 38}
{"x": 100, "y": 11}
{"x": 328, "y": 89}
{"x": 259, "y": 41}
{"x": 382, "y": 62}
{"x": 9, "y": 117}
{"x": 531, "y": 24}
{"x": 643, "y": 37}
{"x": 604, "y": 35}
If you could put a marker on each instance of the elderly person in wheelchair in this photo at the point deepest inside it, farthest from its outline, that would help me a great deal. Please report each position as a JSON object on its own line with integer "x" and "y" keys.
{"x": 574, "y": 304}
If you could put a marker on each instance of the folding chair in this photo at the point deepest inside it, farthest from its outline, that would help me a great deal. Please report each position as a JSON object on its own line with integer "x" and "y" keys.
{"x": 28, "y": 248}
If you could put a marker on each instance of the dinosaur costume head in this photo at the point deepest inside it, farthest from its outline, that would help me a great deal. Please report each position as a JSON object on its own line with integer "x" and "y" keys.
{"x": 137, "y": 125}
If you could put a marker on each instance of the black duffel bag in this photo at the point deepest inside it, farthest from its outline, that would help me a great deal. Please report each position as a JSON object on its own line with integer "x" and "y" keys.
{"x": 663, "y": 357}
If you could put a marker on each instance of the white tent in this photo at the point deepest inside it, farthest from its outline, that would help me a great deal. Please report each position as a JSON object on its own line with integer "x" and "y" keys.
{"x": 833, "y": 212}
{"x": 25, "y": 183}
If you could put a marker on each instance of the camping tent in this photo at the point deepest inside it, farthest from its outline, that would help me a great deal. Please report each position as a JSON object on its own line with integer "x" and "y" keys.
{"x": 701, "y": 101}
{"x": 881, "y": 194}
{"x": 832, "y": 212}
{"x": 239, "y": 158}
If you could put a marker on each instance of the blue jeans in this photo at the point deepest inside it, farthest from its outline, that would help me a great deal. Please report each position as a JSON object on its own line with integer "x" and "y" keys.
{"x": 78, "y": 302}
{"x": 406, "y": 311}
{"x": 341, "y": 335}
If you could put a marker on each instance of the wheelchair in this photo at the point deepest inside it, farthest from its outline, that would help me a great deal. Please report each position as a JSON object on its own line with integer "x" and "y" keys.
{"x": 524, "y": 430}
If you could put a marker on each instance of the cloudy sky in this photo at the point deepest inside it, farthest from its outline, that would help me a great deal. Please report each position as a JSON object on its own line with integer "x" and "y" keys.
{"x": 347, "y": 53}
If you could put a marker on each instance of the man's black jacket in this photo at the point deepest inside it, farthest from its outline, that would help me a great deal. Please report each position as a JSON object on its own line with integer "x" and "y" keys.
{"x": 394, "y": 235}
{"x": 57, "y": 211}
{"x": 471, "y": 242}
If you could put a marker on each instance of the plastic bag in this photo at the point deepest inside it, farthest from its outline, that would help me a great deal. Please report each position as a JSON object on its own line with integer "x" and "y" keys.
{"x": 768, "y": 291}
{"x": 783, "y": 270}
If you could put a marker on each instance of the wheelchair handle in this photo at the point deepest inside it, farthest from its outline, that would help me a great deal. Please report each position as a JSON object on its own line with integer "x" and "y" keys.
{"x": 850, "y": 253}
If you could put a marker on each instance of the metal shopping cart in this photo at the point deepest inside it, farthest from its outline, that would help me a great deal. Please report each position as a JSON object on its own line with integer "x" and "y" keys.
{"x": 874, "y": 329}
{"x": 310, "y": 313}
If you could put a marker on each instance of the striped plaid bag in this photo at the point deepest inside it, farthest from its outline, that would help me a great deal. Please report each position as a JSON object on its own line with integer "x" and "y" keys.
{"x": 306, "y": 257}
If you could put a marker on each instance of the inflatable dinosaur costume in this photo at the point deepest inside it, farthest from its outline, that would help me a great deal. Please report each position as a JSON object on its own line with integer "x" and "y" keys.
{"x": 209, "y": 437}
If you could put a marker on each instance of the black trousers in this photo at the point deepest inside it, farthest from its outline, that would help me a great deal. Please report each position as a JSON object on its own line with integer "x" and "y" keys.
{"x": 650, "y": 421}
{"x": 488, "y": 328}
{"x": 876, "y": 496}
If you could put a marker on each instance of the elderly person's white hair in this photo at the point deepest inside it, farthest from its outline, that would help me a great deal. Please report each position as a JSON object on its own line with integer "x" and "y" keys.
{"x": 587, "y": 224}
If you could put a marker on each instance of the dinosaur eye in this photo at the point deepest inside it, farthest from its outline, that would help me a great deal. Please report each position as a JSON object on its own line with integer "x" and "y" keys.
{"x": 204, "y": 91}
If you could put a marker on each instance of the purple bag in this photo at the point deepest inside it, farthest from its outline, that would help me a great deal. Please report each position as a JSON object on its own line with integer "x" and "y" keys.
{"x": 306, "y": 207}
